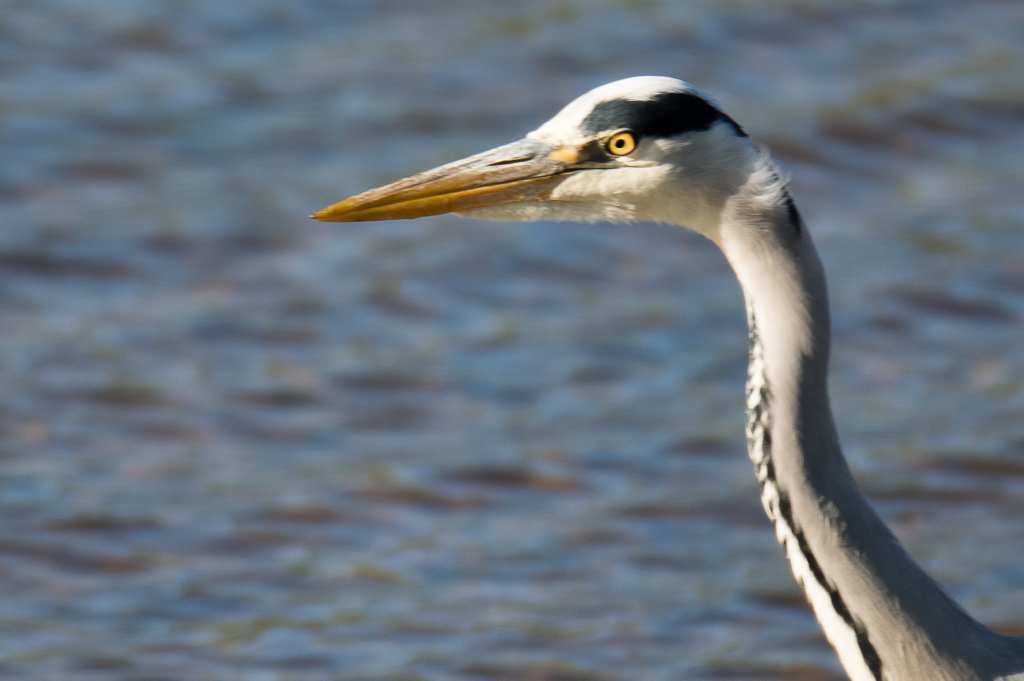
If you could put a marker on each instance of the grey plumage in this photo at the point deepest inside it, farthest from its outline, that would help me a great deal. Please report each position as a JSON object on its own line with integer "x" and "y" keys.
{"x": 679, "y": 159}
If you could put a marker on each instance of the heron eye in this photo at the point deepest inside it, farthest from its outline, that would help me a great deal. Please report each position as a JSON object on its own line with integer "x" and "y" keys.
{"x": 621, "y": 143}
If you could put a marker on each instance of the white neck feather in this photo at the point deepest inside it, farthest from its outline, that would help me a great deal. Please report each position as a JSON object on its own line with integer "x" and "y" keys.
{"x": 885, "y": 617}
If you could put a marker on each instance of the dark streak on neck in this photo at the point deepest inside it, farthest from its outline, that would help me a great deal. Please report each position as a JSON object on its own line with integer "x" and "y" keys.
{"x": 784, "y": 512}
{"x": 867, "y": 649}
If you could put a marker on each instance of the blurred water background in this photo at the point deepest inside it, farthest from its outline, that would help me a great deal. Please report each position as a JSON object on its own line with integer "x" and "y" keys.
{"x": 238, "y": 444}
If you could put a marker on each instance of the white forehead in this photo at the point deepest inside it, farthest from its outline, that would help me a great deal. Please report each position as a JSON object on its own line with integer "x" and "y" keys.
{"x": 566, "y": 124}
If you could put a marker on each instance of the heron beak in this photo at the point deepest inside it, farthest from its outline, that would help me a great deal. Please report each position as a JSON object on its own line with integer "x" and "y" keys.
{"x": 527, "y": 170}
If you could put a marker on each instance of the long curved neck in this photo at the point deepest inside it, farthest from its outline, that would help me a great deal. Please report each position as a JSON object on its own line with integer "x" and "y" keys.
{"x": 886, "y": 618}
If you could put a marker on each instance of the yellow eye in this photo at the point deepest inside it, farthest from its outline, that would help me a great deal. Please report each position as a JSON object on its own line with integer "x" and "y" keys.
{"x": 621, "y": 143}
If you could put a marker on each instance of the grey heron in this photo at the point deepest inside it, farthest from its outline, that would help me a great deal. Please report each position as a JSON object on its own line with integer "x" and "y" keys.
{"x": 656, "y": 149}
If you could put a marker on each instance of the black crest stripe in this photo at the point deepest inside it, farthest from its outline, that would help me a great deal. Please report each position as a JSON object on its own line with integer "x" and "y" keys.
{"x": 794, "y": 214}
{"x": 664, "y": 115}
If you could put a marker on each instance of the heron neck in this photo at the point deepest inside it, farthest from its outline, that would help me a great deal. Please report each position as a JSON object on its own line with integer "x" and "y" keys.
{"x": 886, "y": 618}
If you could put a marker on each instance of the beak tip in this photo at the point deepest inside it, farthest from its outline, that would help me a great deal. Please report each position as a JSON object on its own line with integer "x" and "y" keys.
{"x": 327, "y": 215}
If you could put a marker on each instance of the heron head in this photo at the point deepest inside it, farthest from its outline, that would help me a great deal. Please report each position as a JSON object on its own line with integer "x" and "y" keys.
{"x": 639, "y": 149}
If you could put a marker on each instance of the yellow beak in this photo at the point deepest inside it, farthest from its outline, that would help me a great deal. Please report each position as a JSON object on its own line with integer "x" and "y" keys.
{"x": 527, "y": 170}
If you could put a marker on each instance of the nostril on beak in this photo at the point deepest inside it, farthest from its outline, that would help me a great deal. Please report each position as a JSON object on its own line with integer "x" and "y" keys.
{"x": 508, "y": 161}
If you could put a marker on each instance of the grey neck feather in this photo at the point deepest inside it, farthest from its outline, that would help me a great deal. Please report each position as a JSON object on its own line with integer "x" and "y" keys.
{"x": 884, "y": 615}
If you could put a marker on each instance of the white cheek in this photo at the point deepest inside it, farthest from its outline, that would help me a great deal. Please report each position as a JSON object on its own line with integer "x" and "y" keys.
{"x": 612, "y": 186}
{"x": 626, "y": 194}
